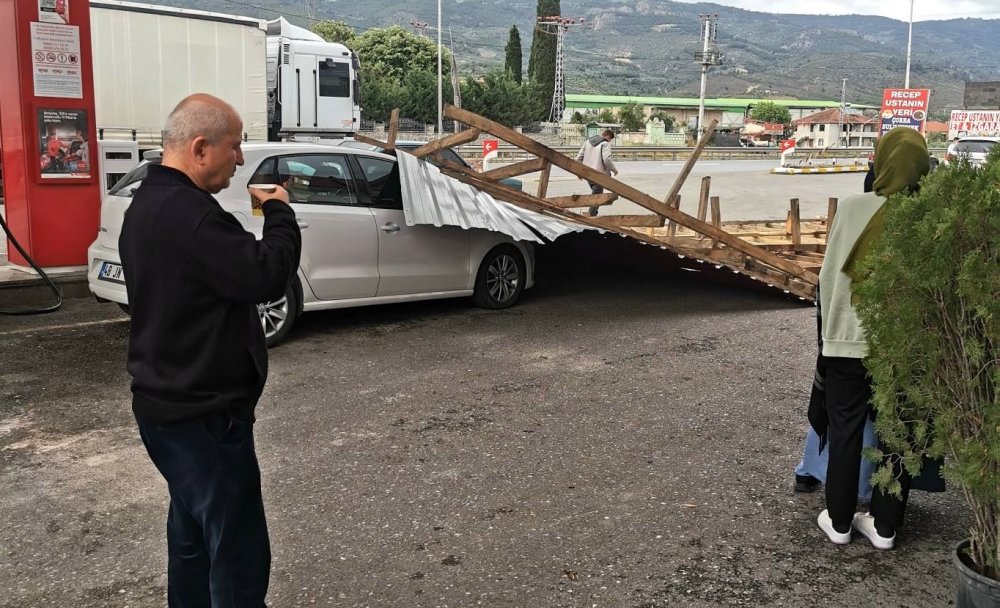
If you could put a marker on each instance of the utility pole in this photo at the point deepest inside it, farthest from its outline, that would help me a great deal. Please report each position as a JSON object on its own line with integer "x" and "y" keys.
{"x": 843, "y": 108}
{"x": 909, "y": 48}
{"x": 440, "y": 130}
{"x": 708, "y": 56}
{"x": 456, "y": 89}
{"x": 558, "y": 25}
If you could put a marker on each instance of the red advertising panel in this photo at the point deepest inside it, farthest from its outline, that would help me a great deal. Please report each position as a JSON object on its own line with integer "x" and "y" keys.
{"x": 904, "y": 108}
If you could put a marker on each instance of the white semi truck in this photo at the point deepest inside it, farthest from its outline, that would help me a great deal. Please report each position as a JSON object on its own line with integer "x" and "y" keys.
{"x": 285, "y": 81}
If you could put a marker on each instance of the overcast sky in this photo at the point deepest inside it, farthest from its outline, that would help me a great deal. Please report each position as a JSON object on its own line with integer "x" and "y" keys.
{"x": 923, "y": 10}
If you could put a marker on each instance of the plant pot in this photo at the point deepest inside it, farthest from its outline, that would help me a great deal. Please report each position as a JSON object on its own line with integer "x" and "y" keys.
{"x": 974, "y": 589}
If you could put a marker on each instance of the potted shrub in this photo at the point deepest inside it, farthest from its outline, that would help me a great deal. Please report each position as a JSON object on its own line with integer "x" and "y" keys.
{"x": 930, "y": 305}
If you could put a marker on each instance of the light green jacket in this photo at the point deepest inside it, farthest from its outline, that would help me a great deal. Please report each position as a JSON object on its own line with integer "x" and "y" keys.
{"x": 843, "y": 335}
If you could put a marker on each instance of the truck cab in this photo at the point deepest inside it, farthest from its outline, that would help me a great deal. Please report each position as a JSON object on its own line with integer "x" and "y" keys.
{"x": 313, "y": 86}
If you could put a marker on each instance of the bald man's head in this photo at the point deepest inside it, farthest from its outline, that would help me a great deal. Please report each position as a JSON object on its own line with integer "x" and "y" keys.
{"x": 202, "y": 139}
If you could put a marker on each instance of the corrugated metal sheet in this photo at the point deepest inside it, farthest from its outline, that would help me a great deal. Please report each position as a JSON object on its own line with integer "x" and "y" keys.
{"x": 431, "y": 198}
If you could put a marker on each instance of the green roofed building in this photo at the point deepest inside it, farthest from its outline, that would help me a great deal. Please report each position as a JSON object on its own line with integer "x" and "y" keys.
{"x": 730, "y": 112}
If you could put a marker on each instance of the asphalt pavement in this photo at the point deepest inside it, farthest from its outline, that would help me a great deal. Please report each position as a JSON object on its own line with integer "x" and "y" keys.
{"x": 625, "y": 436}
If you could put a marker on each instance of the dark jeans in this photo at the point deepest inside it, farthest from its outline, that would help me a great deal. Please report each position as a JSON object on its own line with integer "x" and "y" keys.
{"x": 848, "y": 392}
{"x": 595, "y": 189}
{"x": 219, "y": 555}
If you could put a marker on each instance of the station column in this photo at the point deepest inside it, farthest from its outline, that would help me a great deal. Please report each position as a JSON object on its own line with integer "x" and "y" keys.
{"x": 48, "y": 130}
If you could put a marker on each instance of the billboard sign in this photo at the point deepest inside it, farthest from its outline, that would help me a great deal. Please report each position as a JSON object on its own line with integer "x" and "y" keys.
{"x": 904, "y": 108}
{"x": 974, "y": 123}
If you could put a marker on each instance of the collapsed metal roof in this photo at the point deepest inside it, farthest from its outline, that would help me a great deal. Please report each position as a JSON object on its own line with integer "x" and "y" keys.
{"x": 431, "y": 198}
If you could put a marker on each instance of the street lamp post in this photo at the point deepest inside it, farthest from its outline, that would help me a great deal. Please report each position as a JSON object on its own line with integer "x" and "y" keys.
{"x": 909, "y": 47}
{"x": 440, "y": 88}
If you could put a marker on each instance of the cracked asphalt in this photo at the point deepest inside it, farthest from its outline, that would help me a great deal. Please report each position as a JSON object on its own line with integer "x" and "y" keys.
{"x": 625, "y": 436}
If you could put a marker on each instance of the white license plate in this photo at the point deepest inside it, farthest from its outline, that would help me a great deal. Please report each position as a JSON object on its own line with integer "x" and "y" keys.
{"x": 111, "y": 272}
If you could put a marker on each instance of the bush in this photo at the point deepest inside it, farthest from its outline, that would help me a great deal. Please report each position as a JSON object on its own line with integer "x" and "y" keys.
{"x": 930, "y": 307}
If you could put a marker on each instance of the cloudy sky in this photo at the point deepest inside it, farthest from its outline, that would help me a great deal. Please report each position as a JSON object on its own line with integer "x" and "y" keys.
{"x": 897, "y": 9}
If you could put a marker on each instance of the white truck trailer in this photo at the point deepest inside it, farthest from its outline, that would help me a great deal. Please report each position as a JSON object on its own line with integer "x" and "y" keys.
{"x": 285, "y": 81}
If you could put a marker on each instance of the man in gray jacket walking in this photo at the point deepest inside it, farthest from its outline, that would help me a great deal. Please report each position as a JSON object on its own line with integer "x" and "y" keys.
{"x": 596, "y": 154}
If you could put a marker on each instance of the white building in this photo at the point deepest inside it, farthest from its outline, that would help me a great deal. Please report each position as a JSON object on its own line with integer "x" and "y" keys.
{"x": 825, "y": 130}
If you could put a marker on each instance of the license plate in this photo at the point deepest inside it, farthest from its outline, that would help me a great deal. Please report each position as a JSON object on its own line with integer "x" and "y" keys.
{"x": 111, "y": 272}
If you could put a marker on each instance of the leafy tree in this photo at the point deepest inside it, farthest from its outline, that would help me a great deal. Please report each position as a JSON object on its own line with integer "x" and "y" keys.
{"x": 632, "y": 117}
{"x": 668, "y": 121}
{"x": 768, "y": 111}
{"x": 379, "y": 95}
{"x": 542, "y": 60}
{"x": 497, "y": 97}
{"x": 335, "y": 31}
{"x": 419, "y": 95}
{"x": 393, "y": 52}
{"x": 512, "y": 55}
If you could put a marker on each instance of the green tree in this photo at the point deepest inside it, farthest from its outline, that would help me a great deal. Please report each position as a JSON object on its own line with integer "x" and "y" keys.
{"x": 379, "y": 95}
{"x": 393, "y": 52}
{"x": 668, "y": 121}
{"x": 542, "y": 60}
{"x": 631, "y": 117}
{"x": 512, "y": 55}
{"x": 419, "y": 95}
{"x": 497, "y": 97}
{"x": 335, "y": 31}
{"x": 768, "y": 111}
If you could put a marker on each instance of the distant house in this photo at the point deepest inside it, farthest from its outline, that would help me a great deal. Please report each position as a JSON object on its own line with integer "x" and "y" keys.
{"x": 825, "y": 129}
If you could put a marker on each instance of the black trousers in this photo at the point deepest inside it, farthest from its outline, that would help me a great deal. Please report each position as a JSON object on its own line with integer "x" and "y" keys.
{"x": 848, "y": 393}
{"x": 594, "y": 189}
{"x": 219, "y": 555}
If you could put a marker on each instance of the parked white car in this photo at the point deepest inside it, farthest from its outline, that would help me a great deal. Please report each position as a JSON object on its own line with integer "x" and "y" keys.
{"x": 976, "y": 148}
{"x": 356, "y": 247}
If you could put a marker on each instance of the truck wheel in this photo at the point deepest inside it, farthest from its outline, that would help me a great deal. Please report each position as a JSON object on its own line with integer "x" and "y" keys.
{"x": 500, "y": 279}
{"x": 277, "y": 317}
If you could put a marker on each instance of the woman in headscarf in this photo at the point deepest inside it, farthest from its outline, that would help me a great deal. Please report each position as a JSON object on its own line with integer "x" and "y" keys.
{"x": 901, "y": 160}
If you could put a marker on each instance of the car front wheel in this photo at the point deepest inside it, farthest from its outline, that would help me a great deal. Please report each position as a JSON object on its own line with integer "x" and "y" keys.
{"x": 500, "y": 279}
{"x": 277, "y": 317}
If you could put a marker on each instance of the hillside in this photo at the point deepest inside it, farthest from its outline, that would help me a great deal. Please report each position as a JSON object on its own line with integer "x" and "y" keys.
{"x": 645, "y": 47}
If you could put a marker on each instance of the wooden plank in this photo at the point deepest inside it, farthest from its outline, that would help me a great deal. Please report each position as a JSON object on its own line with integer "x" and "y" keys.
{"x": 716, "y": 217}
{"x": 543, "y": 179}
{"x": 583, "y": 200}
{"x": 672, "y": 228}
{"x": 370, "y": 141}
{"x": 706, "y": 184}
{"x": 796, "y": 219}
{"x": 831, "y": 212}
{"x": 631, "y": 221}
{"x": 689, "y": 163}
{"x": 390, "y": 136}
{"x": 520, "y": 168}
{"x": 624, "y": 190}
{"x": 455, "y": 139}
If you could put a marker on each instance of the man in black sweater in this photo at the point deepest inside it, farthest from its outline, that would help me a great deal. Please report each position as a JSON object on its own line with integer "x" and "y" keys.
{"x": 197, "y": 355}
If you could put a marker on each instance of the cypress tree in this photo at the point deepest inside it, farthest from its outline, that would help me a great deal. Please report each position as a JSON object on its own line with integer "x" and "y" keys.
{"x": 512, "y": 60}
{"x": 542, "y": 61}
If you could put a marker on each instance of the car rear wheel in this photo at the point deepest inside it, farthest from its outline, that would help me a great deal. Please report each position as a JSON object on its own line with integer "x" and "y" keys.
{"x": 500, "y": 279}
{"x": 277, "y": 317}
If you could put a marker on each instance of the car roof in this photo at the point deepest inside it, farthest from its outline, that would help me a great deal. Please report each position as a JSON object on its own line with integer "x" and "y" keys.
{"x": 991, "y": 140}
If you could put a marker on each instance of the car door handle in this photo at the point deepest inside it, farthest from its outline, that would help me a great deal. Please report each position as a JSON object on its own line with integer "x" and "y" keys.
{"x": 389, "y": 227}
{"x": 302, "y": 224}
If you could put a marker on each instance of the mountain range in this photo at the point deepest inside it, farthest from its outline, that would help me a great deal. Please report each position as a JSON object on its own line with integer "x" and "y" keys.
{"x": 646, "y": 47}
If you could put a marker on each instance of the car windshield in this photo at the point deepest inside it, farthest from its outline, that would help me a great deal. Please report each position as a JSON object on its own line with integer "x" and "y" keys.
{"x": 127, "y": 185}
{"x": 975, "y": 147}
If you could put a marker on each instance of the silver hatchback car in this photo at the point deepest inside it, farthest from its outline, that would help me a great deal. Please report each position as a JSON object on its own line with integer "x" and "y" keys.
{"x": 357, "y": 248}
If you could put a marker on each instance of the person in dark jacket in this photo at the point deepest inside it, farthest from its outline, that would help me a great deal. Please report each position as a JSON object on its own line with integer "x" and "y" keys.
{"x": 196, "y": 351}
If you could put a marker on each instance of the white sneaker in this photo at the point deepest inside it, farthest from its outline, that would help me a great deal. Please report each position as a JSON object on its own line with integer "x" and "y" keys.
{"x": 865, "y": 524}
{"x": 826, "y": 525}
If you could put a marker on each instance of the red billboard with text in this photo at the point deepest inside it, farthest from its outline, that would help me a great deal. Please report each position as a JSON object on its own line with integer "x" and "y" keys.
{"x": 904, "y": 108}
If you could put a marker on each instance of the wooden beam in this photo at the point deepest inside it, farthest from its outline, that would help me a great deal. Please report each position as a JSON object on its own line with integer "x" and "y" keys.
{"x": 520, "y": 168}
{"x": 689, "y": 163}
{"x": 624, "y": 190}
{"x": 631, "y": 221}
{"x": 543, "y": 179}
{"x": 716, "y": 217}
{"x": 676, "y": 204}
{"x": 370, "y": 141}
{"x": 583, "y": 200}
{"x": 390, "y": 136}
{"x": 706, "y": 184}
{"x": 456, "y": 139}
{"x": 796, "y": 219}
{"x": 831, "y": 212}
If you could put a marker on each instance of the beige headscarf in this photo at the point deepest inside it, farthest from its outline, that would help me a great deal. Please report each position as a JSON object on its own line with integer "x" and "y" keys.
{"x": 901, "y": 160}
